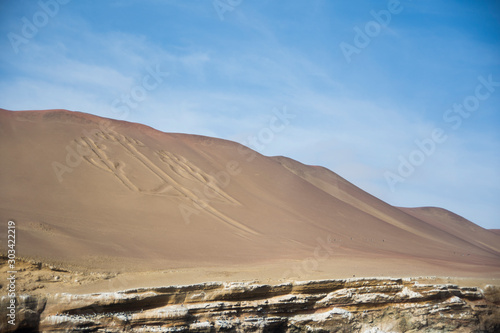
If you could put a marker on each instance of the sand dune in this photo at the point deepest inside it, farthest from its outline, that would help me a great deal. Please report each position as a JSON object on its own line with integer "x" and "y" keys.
{"x": 99, "y": 193}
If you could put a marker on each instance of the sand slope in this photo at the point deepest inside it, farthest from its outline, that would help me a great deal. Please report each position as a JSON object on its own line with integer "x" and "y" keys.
{"x": 94, "y": 192}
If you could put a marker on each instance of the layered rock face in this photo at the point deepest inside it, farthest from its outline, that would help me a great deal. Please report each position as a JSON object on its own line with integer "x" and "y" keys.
{"x": 352, "y": 305}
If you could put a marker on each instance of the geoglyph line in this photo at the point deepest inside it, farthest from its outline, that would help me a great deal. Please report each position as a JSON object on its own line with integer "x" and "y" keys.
{"x": 169, "y": 183}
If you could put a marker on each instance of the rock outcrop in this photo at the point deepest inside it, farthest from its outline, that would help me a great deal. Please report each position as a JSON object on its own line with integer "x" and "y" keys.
{"x": 352, "y": 305}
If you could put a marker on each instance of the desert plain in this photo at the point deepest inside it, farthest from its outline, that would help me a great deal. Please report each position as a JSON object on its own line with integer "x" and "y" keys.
{"x": 103, "y": 205}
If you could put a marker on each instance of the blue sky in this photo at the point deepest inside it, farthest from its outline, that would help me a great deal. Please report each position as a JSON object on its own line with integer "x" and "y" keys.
{"x": 357, "y": 101}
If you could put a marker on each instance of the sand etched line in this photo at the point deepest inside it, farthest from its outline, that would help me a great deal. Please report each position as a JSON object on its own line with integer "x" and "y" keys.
{"x": 182, "y": 167}
{"x": 112, "y": 167}
{"x": 117, "y": 168}
{"x": 179, "y": 165}
{"x": 127, "y": 142}
{"x": 188, "y": 193}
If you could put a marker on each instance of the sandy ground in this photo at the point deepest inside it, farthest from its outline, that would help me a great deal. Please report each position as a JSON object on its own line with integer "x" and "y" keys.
{"x": 121, "y": 205}
{"x": 38, "y": 279}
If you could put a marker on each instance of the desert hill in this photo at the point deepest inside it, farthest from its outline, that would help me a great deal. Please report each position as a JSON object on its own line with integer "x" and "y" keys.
{"x": 93, "y": 192}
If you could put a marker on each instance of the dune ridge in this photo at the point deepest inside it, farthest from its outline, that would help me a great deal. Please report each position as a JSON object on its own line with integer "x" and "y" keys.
{"x": 82, "y": 188}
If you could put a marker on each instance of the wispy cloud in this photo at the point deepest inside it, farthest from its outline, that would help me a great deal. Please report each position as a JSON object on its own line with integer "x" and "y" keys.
{"x": 226, "y": 77}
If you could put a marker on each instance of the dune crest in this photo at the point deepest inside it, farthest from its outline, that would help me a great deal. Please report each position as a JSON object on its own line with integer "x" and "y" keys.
{"x": 82, "y": 188}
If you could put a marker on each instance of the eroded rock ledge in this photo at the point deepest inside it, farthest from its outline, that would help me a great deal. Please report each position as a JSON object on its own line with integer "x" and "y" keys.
{"x": 352, "y": 305}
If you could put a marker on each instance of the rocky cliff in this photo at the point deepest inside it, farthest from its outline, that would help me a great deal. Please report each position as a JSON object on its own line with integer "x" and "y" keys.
{"x": 352, "y": 305}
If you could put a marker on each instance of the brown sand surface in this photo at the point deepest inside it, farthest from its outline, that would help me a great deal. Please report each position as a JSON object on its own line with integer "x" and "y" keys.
{"x": 44, "y": 279}
{"x": 89, "y": 194}
{"x": 496, "y": 231}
